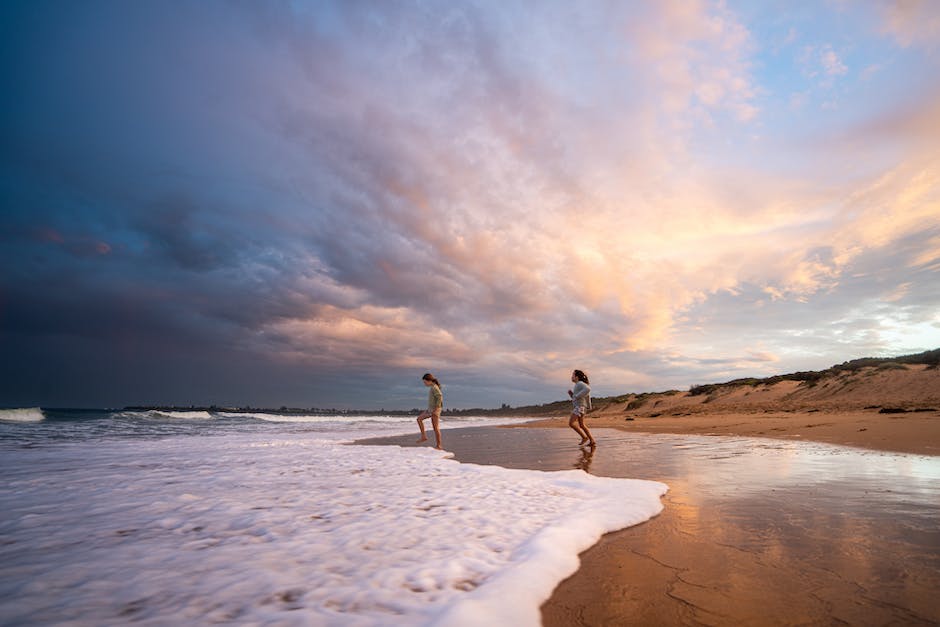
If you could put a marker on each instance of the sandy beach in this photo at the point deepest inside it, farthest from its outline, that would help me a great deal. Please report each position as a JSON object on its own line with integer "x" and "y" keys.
{"x": 772, "y": 517}
{"x": 801, "y": 555}
{"x": 257, "y": 257}
{"x": 910, "y": 432}
{"x": 743, "y": 543}
{"x": 888, "y": 409}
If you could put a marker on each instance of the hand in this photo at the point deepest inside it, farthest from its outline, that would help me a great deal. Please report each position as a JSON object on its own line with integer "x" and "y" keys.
{"x": 570, "y": 393}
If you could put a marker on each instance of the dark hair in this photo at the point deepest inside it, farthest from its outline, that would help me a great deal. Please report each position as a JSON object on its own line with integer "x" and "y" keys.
{"x": 580, "y": 376}
{"x": 430, "y": 377}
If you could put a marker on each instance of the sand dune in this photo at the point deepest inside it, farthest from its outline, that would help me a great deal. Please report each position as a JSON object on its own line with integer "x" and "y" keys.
{"x": 909, "y": 387}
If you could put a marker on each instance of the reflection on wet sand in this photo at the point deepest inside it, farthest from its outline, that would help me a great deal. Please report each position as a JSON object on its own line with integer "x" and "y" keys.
{"x": 584, "y": 462}
{"x": 754, "y": 531}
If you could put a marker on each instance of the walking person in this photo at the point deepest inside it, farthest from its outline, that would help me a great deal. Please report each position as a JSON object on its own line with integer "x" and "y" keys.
{"x": 435, "y": 405}
{"x": 581, "y": 399}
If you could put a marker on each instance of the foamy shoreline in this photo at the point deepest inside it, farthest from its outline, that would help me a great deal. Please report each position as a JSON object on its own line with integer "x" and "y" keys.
{"x": 292, "y": 527}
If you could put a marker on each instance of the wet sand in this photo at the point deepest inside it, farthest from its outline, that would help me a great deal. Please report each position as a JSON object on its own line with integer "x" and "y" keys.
{"x": 754, "y": 530}
{"x": 908, "y": 432}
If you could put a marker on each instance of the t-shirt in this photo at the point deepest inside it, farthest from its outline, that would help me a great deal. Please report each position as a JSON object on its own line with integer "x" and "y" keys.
{"x": 435, "y": 398}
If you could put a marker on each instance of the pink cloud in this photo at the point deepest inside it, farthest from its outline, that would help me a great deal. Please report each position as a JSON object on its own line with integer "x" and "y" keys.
{"x": 912, "y": 22}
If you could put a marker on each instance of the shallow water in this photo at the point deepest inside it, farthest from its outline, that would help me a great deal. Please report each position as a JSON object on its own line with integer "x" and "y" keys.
{"x": 755, "y": 531}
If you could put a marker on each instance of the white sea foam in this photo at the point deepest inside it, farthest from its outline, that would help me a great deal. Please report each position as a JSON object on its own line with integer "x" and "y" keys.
{"x": 320, "y": 418}
{"x": 366, "y": 425}
{"x": 182, "y": 415}
{"x": 26, "y": 414}
{"x": 292, "y": 529}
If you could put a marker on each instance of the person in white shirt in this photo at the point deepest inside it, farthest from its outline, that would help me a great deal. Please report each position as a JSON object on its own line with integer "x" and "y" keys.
{"x": 581, "y": 398}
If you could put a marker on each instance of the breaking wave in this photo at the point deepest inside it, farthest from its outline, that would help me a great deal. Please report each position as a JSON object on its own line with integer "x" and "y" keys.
{"x": 28, "y": 414}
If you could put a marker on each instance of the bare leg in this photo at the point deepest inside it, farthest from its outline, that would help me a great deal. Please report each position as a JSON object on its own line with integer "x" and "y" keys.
{"x": 584, "y": 427}
{"x": 573, "y": 423}
{"x": 421, "y": 417}
{"x": 436, "y": 423}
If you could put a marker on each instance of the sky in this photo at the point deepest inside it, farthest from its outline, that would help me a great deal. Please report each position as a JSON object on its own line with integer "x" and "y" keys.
{"x": 311, "y": 204}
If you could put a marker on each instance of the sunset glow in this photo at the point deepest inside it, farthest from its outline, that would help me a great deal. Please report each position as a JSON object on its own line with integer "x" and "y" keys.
{"x": 313, "y": 203}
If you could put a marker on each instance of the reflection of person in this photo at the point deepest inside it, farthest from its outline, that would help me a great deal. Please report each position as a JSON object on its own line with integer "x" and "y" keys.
{"x": 587, "y": 454}
{"x": 581, "y": 398}
{"x": 435, "y": 404}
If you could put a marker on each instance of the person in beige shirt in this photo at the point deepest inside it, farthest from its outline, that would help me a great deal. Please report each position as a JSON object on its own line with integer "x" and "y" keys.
{"x": 435, "y": 405}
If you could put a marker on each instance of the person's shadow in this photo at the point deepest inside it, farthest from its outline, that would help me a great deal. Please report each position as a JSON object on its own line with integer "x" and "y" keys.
{"x": 587, "y": 454}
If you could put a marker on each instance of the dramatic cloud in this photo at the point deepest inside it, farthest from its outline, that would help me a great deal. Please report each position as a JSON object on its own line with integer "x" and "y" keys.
{"x": 313, "y": 203}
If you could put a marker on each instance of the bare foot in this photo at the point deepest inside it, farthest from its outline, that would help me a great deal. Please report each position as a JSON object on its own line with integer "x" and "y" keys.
{"x": 583, "y": 440}
{"x": 440, "y": 448}
{"x": 421, "y": 440}
{"x": 593, "y": 444}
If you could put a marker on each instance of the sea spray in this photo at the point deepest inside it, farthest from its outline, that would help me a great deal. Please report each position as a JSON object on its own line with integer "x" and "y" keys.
{"x": 28, "y": 414}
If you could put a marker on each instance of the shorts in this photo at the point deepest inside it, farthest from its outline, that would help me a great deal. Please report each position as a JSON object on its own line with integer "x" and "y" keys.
{"x": 579, "y": 411}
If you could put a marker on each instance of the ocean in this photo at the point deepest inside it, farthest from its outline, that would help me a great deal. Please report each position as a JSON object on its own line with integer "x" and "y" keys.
{"x": 149, "y": 517}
